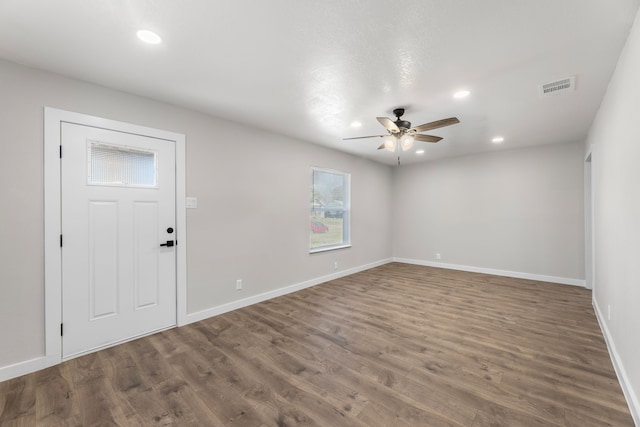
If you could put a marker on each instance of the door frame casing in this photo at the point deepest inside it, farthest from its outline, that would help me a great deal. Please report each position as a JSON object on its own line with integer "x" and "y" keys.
{"x": 53, "y": 119}
{"x": 589, "y": 223}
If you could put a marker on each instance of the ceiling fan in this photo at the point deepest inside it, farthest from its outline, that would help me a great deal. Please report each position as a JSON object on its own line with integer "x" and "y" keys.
{"x": 401, "y": 135}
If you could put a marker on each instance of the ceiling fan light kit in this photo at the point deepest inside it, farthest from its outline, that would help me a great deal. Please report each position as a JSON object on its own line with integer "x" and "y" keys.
{"x": 401, "y": 135}
{"x": 390, "y": 143}
{"x": 406, "y": 142}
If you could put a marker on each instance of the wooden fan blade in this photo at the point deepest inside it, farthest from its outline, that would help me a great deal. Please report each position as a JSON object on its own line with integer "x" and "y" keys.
{"x": 362, "y": 137}
{"x": 426, "y": 138}
{"x": 437, "y": 124}
{"x": 388, "y": 124}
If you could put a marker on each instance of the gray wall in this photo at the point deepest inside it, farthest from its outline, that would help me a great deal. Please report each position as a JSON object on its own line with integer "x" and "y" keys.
{"x": 615, "y": 136}
{"x": 252, "y": 188}
{"x": 519, "y": 211}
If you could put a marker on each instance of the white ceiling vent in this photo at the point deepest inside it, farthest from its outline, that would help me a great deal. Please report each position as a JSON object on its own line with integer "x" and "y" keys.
{"x": 557, "y": 87}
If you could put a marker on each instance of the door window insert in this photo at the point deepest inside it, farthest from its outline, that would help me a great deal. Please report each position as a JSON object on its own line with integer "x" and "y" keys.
{"x": 117, "y": 165}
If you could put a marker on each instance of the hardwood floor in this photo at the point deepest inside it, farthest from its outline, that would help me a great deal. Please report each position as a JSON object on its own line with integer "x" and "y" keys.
{"x": 398, "y": 345}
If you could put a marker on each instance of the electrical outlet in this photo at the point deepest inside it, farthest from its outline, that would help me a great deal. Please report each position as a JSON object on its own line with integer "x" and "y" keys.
{"x": 238, "y": 284}
{"x": 438, "y": 256}
{"x": 335, "y": 265}
{"x": 608, "y": 311}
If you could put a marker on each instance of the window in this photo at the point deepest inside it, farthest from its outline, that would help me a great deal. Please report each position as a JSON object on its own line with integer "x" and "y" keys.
{"x": 329, "y": 217}
{"x": 116, "y": 165}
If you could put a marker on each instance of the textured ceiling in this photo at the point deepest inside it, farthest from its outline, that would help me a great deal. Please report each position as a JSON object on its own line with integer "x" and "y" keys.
{"x": 308, "y": 69}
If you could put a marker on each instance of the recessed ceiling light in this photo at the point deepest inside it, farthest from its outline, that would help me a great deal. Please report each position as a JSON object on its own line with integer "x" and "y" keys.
{"x": 419, "y": 151}
{"x": 149, "y": 37}
{"x": 355, "y": 124}
{"x": 497, "y": 140}
{"x": 461, "y": 94}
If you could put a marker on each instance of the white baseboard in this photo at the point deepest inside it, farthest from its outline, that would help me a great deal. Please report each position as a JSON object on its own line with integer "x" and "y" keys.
{"x": 623, "y": 379}
{"x": 506, "y": 273}
{"x": 234, "y": 305}
{"x": 22, "y": 368}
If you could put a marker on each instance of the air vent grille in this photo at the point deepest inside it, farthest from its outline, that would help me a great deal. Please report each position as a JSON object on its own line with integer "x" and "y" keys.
{"x": 557, "y": 87}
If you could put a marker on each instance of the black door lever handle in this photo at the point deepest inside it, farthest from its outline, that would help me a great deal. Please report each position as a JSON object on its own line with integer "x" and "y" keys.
{"x": 169, "y": 243}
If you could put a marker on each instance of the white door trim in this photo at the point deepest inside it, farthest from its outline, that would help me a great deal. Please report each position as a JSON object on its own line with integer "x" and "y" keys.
{"x": 589, "y": 223}
{"x": 53, "y": 119}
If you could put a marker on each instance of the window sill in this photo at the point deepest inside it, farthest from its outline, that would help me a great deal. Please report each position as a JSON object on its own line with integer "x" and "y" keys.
{"x": 329, "y": 248}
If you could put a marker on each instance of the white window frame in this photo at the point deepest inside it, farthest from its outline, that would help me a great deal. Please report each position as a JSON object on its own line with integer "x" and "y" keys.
{"x": 346, "y": 208}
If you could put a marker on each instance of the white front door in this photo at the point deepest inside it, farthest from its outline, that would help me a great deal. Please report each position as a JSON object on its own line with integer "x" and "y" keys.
{"x": 118, "y": 219}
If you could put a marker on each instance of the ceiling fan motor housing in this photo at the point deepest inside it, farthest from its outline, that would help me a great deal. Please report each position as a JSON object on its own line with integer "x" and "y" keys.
{"x": 403, "y": 124}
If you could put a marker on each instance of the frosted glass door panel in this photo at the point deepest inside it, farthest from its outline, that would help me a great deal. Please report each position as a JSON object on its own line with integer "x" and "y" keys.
{"x": 121, "y": 166}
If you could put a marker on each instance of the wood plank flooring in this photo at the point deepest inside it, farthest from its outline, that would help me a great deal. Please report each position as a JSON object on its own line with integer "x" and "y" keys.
{"x": 398, "y": 345}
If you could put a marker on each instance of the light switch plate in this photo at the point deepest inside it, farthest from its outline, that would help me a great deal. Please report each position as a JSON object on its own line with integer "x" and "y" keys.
{"x": 192, "y": 202}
